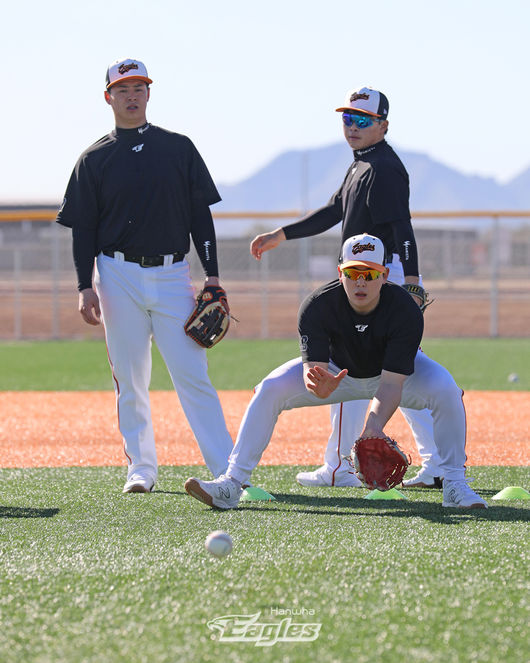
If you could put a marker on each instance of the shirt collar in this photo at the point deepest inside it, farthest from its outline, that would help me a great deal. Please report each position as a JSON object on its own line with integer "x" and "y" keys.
{"x": 119, "y": 131}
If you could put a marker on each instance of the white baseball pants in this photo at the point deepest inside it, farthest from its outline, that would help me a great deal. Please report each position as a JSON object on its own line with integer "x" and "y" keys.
{"x": 347, "y": 419}
{"x": 431, "y": 386}
{"x": 138, "y": 304}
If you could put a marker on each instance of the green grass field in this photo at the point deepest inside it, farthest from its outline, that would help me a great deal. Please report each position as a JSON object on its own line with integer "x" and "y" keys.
{"x": 91, "y": 575}
{"x": 241, "y": 364}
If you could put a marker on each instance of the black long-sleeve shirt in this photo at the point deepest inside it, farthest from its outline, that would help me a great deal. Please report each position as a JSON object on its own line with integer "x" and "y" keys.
{"x": 374, "y": 199}
{"x": 143, "y": 192}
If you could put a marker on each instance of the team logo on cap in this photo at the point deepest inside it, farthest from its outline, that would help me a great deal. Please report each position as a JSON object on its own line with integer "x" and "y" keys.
{"x": 360, "y": 248}
{"x": 355, "y": 96}
{"x": 124, "y": 68}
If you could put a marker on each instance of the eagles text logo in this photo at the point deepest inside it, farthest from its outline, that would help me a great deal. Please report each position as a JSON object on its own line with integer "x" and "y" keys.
{"x": 124, "y": 68}
{"x": 359, "y": 248}
{"x": 246, "y": 628}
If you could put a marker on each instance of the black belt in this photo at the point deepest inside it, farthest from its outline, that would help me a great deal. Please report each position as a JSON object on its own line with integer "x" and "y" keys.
{"x": 148, "y": 261}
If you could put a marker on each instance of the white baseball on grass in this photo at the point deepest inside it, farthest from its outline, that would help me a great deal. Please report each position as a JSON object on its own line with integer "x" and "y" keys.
{"x": 219, "y": 543}
{"x": 513, "y": 377}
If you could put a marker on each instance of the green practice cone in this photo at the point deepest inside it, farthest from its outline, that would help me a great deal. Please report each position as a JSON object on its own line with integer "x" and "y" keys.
{"x": 255, "y": 494}
{"x": 512, "y": 493}
{"x": 391, "y": 494}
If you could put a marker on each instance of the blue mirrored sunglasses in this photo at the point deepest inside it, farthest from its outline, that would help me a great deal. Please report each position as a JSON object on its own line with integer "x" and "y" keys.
{"x": 360, "y": 121}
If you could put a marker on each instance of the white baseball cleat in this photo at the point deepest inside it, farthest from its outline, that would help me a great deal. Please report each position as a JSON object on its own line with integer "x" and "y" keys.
{"x": 222, "y": 492}
{"x": 459, "y": 494}
{"x": 138, "y": 484}
{"x": 324, "y": 477}
{"x": 423, "y": 480}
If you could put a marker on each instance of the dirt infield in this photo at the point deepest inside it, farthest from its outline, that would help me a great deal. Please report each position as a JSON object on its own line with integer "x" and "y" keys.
{"x": 56, "y": 429}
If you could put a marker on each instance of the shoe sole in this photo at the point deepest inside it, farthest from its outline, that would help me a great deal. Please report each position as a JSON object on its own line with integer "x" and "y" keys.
{"x": 193, "y": 488}
{"x": 137, "y": 488}
{"x": 339, "y": 484}
{"x": 476, "y": 505}
{"x": 437, "y": 484}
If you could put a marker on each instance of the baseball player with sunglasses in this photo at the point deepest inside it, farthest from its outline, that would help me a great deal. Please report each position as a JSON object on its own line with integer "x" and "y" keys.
{"x": 134, "y": 199}
{"x": 359, "y": 338}
{"x": 373, "y": 198}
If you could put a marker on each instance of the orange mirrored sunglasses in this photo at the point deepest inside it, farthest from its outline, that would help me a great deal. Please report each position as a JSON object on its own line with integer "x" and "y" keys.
{"x": 367, "y": 274}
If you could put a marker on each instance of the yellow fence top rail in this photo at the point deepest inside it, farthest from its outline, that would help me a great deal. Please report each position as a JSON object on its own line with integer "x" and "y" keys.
{"x": 19, "y": 214}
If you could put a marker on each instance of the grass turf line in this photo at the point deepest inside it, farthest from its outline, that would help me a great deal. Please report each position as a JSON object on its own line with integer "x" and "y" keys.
{"x": 89, "y": 574}
{"x": 482, "y": 364}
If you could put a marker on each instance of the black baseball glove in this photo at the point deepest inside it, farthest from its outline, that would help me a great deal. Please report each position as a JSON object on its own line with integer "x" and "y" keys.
{"x": 210, "y": 319}
{"x": 420, "y": 293}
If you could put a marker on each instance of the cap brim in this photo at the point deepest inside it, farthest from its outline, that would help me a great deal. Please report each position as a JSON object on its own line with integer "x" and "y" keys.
{"x": 363, "y": 263}
{"x": 349, "y": 109}
{"x": 130, "y": 78}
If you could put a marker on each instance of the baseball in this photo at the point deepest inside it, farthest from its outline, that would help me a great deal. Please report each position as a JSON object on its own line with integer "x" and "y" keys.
{"x": 219, "y": 543}
{"x": 513, "y": 377}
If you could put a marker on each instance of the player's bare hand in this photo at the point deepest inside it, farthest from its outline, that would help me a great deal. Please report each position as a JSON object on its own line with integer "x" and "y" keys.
{"x": 321, "y": 382}
{"x": 89, "y": 306}
{"x": 266, "y": 242}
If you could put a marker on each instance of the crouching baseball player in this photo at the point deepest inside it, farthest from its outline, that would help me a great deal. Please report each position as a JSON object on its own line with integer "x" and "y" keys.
{"x": 359, "y": 339}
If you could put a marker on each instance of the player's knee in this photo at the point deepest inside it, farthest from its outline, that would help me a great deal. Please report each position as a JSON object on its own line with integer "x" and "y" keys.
{"x": 272, "y": 389}
{"x": 447, "y": 390}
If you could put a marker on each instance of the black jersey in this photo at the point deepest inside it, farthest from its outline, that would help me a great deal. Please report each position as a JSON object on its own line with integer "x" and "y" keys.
{"x": 388, "y": 338}
{"x": 138, "y": 191}
{"x": 373, "y": 199}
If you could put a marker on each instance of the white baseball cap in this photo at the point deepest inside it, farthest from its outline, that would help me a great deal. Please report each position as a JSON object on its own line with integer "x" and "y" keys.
{"x": 363, "y": 251}
{"x": 366, "y": 100}
{"x": 126, "y": 68}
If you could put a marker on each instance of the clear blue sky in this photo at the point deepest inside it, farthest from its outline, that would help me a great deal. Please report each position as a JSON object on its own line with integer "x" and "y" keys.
{"x": 248, "y": 80}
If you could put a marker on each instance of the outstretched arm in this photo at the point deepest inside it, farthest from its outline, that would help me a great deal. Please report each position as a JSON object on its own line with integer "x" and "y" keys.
{"x": 266, "y": 242}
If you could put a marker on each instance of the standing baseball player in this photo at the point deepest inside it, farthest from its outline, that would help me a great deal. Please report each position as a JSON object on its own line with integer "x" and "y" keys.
{"x": 373, "y": 198}
{"x": 359, "y": 338}
{"x": 133, "y": 200}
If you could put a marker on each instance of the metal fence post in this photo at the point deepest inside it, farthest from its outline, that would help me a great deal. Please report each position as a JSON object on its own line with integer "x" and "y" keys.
{"x": 56, "y": 325}
{"x": 264, "y": 280}
{"x": 494, "y": 290}
{"x": 303, "y": 268}
{"x": 17, "y": 294}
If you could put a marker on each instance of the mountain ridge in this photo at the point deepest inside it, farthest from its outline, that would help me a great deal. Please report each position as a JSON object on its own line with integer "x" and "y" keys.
{"x": 306, "y": 179}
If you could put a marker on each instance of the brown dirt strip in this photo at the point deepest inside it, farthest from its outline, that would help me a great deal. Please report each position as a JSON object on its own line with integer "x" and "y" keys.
{"x": 57, "y": 429}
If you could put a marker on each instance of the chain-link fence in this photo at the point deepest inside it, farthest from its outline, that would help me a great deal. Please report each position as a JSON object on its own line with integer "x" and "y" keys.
{"x": 477, "y": 270}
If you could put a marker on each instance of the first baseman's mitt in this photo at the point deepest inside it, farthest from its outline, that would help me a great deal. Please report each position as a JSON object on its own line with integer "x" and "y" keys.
{"x": 378, "y": 462}
{"x": 420, "y": 293}
{"x": 210, "y": 319}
